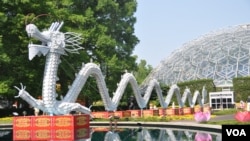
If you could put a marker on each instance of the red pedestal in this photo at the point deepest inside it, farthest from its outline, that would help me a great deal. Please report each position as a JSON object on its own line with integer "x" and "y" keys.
{"x": 188, "y": 110}
{"x": 68, "y": 127}
{"x": 181, "y": 112}
{"x": 172, "y": 111}
{"x": 105, "y": 115}
{"x": 123, "y": 114}
{"x": 22, "y": 128}
{"x": 162, "y": 112}
{"x": 135, "y": 113}
{"x": 148, "y": 113}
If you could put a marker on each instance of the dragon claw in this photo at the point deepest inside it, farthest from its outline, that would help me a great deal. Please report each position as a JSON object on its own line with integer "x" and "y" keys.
{"x": 21, "y": 90}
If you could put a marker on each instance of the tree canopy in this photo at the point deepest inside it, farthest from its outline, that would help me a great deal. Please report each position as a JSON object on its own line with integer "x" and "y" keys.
{"x": 142, "y": 71}
{"x": 241, "y": 88}
{"x": 107, "y": 28}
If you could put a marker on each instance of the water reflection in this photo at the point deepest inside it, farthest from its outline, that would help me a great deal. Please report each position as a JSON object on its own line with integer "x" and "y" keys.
{"x": 5, "y": 134}
{"x": 151, "y": 134}
{"x": 139, "y": 134}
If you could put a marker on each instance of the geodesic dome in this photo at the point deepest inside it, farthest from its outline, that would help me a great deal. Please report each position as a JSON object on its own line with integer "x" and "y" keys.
{"x": 220, "y": 55}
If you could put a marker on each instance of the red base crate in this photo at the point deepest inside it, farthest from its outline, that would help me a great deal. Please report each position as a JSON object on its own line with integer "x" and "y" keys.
{"x": 104, "y": 115}
{"x": 148, "y": 113}
{"x": 172, "y": 111}
{"x": 181, "y": 112}
{"x": 162, "y": 112}
{"x": 122, "y": 114}
{"x": 188, "y": 110}
{"x": 135, "y": 113}
{"x": 67, "y": 127}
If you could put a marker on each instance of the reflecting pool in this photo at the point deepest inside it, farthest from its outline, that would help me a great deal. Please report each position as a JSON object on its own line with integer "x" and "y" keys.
{"x": 153, "y": 134}
{"x": 138, "y": 134}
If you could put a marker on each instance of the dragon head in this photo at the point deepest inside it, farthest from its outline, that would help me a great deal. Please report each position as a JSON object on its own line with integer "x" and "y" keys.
{"x": 52, "y": 38}
{"x": 33, "y": 31}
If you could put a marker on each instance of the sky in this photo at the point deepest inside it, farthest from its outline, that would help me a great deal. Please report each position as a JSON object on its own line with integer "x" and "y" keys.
{"x": 163, "y": 26}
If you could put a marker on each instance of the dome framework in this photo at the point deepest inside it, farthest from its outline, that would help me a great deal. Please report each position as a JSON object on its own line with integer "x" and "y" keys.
{"x": 221, "y": 55}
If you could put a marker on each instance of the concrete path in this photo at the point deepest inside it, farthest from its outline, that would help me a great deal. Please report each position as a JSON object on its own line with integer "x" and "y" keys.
{"x": 223, "y": 117}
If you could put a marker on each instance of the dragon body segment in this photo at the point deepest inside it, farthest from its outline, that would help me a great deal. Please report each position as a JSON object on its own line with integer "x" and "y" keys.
{"x": 54, "y": 44}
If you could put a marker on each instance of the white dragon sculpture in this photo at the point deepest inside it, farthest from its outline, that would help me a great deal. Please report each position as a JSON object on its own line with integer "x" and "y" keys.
{"x": 54, "y": 44}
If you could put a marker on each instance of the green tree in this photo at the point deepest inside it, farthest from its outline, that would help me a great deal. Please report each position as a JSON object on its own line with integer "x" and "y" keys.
{"x": 107, "y": 28}
{"x": 142, "y": 71}
{"x": 197, "y": 85}
{"x": 241, "y": 88}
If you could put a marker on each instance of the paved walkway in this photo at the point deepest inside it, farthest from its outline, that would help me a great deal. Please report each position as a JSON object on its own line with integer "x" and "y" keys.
{"x": 223, "y": 117}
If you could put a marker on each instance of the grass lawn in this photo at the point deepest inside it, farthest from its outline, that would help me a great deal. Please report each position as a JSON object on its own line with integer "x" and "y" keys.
{"x": 6, "y": 120}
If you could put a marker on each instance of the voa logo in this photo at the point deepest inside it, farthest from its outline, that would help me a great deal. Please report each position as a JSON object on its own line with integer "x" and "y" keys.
{"x": 236, "y": 132}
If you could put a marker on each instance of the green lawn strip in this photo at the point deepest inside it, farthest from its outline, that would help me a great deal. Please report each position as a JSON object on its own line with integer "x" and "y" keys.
{"x": 6, "y": 120}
